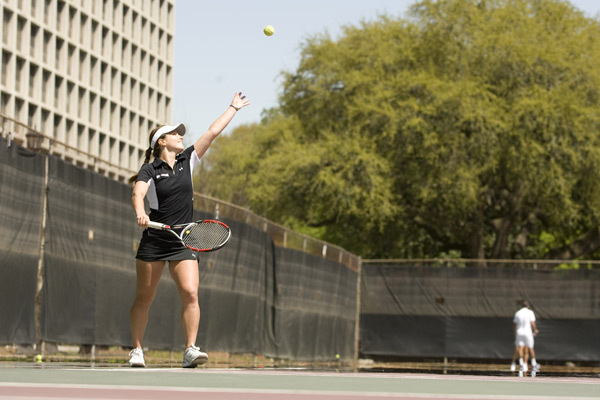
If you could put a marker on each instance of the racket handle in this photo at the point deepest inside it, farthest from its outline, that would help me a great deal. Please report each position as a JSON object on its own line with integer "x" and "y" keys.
{"x": 157, "y": 225}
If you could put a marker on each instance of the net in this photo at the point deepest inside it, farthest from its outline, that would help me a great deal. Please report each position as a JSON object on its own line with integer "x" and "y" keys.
{"x": 207, "y": 235}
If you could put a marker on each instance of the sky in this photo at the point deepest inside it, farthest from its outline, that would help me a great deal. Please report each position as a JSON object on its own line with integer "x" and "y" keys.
{"x": 220, "y": 48}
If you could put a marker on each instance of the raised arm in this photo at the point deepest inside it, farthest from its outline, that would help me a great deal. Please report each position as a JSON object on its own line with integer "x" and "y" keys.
{"x": 204, "y": 142}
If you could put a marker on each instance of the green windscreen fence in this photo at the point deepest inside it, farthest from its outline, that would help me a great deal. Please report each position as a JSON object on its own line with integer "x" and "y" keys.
{"x": 254, "y": 296}
{"x": 21, "y": 203}
{"x": 416, "y": 311}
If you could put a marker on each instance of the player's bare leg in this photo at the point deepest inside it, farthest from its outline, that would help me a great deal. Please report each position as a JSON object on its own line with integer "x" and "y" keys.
{"x": 522, "y": 365}
{"x": 535, "y": 367}
{"x": 185, "y": 275}
{"x": 148, "y": 276}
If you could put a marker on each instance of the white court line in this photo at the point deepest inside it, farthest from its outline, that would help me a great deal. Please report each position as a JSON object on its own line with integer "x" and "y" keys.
{"x": 183, "y": 390}
{"x": 378, "y": 375}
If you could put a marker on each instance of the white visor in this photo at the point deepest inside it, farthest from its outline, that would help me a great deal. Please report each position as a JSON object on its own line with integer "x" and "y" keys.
{"x": 180, "y": 128}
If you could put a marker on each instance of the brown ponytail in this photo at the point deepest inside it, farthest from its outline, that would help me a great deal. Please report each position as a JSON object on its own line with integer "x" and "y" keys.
{"x": 149, "y": 152}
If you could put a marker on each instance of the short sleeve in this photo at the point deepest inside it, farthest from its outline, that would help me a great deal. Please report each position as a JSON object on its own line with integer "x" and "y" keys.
{"x": 192, "y": 156}
{"x": 145, "y": 174}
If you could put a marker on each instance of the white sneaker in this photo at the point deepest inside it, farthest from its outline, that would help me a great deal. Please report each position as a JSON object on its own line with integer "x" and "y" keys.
{"x": 137, "y": 358}
{"x": 192, "y": 356}
{"x": 513, "y": 367}
{"x": 522, "y": 370}
{"x": 536, "y": 368}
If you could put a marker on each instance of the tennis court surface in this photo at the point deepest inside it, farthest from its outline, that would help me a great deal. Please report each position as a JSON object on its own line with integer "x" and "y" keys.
{"x": 68, "y": 381}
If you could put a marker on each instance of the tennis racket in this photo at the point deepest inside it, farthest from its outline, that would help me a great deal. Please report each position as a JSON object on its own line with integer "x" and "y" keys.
{"x": 203, "y": 236}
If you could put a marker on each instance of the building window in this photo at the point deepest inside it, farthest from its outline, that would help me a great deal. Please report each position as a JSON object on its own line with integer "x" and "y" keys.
{"x": 81, "y": 137}
{"x": 45, "y": 127}
{"x": 58, "y": 82}
{"x": 72, "y": 21}
{"x": 124, "y": 87}
{"x": 83, "y": 66}
{"x": 35, "y": 30}
{"x": 81, "y": 106}
{"x": 83, "y": 31}
{"x": 104, "y": 115}
{"x": 92, "y": 146}
{"x": 102, "y": 150}
{"x": 95, "y": 36}
{"x": 60, "y": 49}
{"x": 46, "y": 86}
{"x": 115, "y": 49}
{"x": 71, "y": 67}
{"x": 126, "y": 26}
{"x": 125, "y": 58}
{"x": 6, "y": 25}
{"x": 115, "y": 19}
{"x": 33, "y": 70}
{"x": 69, "y": 134}
{"x": 70, "y": 101}
{"x": 5, "y": 103}
{"x": 92, "y": 114}
{"x": 20, "y": 33}
{"x": 47, "y": 46}
{"x": 19, "y": 107}
{"x": 104, "y": 78}
{"x": 47, "y": 5}
{"x": 57, "y": 127}
{"x": 94, "y": 74}
{"x": 19, "y": 74}
{"x": 5, "y": 67}
{"x": 32, "y": 116}
{"x": 34, "y": 8}
{"x": 60, "y": 16}
{"x": 115, "y": 83}
{"x": 105, "y": 51}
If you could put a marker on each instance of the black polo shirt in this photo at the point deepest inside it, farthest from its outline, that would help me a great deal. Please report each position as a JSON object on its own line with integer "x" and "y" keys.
{"x": 171, "y": 192}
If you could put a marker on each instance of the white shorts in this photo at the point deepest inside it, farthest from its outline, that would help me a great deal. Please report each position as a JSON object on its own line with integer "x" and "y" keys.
{"x": 524, "y": 340}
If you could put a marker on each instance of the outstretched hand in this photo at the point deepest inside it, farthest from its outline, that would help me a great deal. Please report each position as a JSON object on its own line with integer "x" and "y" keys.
{"x": 239, "y": 101}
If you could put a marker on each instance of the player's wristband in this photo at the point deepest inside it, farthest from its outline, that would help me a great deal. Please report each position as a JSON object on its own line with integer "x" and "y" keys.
{"x": 236, "y": 108}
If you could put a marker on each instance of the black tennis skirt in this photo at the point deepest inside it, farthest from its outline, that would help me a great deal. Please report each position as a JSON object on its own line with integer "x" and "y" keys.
{"x": 162, "y": 246}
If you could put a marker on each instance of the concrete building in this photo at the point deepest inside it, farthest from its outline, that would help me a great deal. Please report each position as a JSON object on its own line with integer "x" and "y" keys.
{"x": 91, "y": 77}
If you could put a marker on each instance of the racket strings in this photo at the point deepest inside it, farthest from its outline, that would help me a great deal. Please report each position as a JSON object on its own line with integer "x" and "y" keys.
{"x": 205, "y": 235}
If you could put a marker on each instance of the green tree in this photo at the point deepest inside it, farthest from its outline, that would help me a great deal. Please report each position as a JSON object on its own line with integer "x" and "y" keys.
{"x": 469, "y": 127}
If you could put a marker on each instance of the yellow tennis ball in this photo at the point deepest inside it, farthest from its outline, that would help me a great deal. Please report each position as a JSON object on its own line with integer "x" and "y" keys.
{"x": 38, "y": 358}
{"x": 269, "y": 30}
{"x": 337, "y": 356}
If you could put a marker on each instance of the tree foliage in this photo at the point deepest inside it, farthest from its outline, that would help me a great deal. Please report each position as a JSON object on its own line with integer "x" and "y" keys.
{"x": 468, "y": 127}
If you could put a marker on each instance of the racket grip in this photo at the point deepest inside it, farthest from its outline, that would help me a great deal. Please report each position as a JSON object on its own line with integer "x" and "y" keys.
{"x": 157, "y": 225}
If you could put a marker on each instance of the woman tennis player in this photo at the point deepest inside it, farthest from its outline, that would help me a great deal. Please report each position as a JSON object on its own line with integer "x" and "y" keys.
{"x": 167, "y": 183}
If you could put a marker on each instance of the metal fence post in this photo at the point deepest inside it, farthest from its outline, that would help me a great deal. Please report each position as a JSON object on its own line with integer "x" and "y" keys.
{"x": 357, "y": 317}
{"x": 40, "y": 269}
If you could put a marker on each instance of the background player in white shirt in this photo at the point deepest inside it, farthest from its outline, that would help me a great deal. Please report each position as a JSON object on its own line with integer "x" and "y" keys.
{"x": 525, "y": 329}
